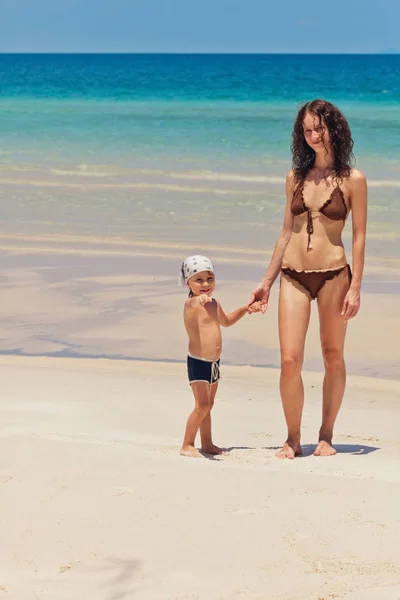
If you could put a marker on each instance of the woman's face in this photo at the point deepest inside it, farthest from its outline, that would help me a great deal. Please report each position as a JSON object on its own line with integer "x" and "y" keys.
{"x": 316, "y": 133}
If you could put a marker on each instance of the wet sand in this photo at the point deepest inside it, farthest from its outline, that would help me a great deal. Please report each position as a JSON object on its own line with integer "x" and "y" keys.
{"x": 73, "y": 297}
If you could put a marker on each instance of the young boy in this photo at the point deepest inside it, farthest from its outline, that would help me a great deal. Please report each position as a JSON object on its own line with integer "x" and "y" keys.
{"x": 203, "y": 317}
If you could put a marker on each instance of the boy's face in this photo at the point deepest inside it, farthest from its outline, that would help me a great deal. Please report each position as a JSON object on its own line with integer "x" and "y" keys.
{"x": 202, "y": 283}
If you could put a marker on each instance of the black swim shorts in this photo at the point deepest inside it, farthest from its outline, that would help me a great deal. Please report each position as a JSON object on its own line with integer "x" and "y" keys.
{"x": 201, "y": 369}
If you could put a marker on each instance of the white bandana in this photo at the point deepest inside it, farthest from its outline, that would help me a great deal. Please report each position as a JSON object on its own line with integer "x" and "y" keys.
{"x": 192, "y": 265}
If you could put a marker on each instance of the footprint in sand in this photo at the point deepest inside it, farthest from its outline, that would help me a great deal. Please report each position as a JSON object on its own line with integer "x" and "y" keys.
{"x": 65, "y": 568}
{"x": 123, "y": 491}
{"x": 248, "y": 511}
{"x": 362, "y": 439}
{"x": 5, "y": 478}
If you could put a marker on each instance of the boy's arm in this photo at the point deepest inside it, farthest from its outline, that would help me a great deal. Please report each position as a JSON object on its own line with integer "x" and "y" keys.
{"x": 198, "y": 300}
{"x": 233, "y": 317}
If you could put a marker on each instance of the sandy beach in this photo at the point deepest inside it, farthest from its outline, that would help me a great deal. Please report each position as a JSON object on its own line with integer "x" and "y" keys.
{"x": 96, "y": 502}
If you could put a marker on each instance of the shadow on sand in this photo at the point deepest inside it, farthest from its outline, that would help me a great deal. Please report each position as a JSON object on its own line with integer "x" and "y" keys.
{"x": 308, "y": 450}
{"x": 122, "y": 581}
{"x": 354, "y": 449}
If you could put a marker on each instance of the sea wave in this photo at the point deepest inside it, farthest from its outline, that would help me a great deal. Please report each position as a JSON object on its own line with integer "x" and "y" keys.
{"x": 101, "y": 171}
{"x": 168, "y": 187}
{"x": 81, "y": 173}
{"x": 133, "y": 177}
{"x": 234, "y": 177}
{"x": 265, "y": 179}
{"x": 384, "y": 183}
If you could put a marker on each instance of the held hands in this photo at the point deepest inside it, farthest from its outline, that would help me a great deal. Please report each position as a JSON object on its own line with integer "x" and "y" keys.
{"x": 261, "y": 294}
{"x": 255, "y": 307}
{"x": 351, "y": 304}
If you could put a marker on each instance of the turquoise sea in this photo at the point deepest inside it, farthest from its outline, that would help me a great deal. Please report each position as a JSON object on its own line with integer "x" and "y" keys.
{"x": 151, "y": 135}
{"x": 126, "y": 158}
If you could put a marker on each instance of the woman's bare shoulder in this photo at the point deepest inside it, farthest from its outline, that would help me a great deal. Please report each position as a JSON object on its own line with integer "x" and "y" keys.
{"x": 290, "y": 176}
{"x": 355, "y": 181}
{"x": 290, "y": 181}
{"x": 357, "y": 177}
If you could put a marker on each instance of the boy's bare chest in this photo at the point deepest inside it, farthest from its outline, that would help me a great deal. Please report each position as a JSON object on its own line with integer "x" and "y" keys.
{"x": 207, "y": 318}
{"x": 204, "y": 316}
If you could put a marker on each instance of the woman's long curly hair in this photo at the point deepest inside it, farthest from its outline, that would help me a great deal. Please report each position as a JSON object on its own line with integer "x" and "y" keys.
{"x": 340, "y": 139}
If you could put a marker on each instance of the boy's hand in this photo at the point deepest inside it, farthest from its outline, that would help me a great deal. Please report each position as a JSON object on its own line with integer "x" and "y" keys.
{"x": 203, "y": 299}
{"x": 255, "y": 307}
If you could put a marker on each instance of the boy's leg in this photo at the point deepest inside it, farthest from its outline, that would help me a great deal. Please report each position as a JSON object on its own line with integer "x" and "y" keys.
{"x": 201, "y": 392}
{"x": 207, "y": 445}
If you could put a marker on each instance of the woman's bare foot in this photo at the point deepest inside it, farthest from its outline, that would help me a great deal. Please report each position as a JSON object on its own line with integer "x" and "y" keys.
{"x": 290, "y": 449}
{"x": 212, "y": 449}
{"x": 190, "y": 451}
{"x": 324, "y": 449}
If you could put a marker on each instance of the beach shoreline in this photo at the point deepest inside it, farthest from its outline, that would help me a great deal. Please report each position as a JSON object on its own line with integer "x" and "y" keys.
{"x": 103, "y": 298}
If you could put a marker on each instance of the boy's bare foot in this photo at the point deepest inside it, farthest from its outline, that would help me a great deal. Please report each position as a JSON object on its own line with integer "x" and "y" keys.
{"x": 190, "y": 451}
{"x": 324, "y": 449}
{"x": 290, "y": 449}
{"x": 212, "y": 449}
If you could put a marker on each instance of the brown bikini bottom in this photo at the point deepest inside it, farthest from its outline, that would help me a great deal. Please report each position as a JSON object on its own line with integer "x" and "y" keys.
{"x": 313, "y": 281}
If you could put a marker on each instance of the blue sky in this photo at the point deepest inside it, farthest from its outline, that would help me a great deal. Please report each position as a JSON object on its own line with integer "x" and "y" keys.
{"x": 199, "y": 26}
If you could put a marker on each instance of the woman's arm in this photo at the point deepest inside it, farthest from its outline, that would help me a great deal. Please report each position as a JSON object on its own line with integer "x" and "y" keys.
{"x": 358, "y": 199}
{"x": 262, "y": 290}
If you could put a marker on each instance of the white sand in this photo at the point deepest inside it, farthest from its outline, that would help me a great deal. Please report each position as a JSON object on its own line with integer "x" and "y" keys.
{"x": 97, "y": 504}
{"x": 378, "y": 593}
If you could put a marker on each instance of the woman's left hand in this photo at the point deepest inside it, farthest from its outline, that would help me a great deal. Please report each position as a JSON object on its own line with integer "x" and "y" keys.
{"x": 351, "y": 304}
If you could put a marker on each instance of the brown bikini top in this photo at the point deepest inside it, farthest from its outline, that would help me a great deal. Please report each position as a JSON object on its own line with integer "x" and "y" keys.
{"x": 334, "y": 208}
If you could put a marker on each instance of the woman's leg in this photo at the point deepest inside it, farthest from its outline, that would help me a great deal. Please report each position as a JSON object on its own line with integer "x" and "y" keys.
{"x": 294, "y": 317}
{"x": 332, "y": 332}
{"x": 207, "y": 445}
{"x": 201, "y": 392}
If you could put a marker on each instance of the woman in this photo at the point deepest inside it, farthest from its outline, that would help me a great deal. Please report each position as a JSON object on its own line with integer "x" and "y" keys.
{"x": 321, "y": 190}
